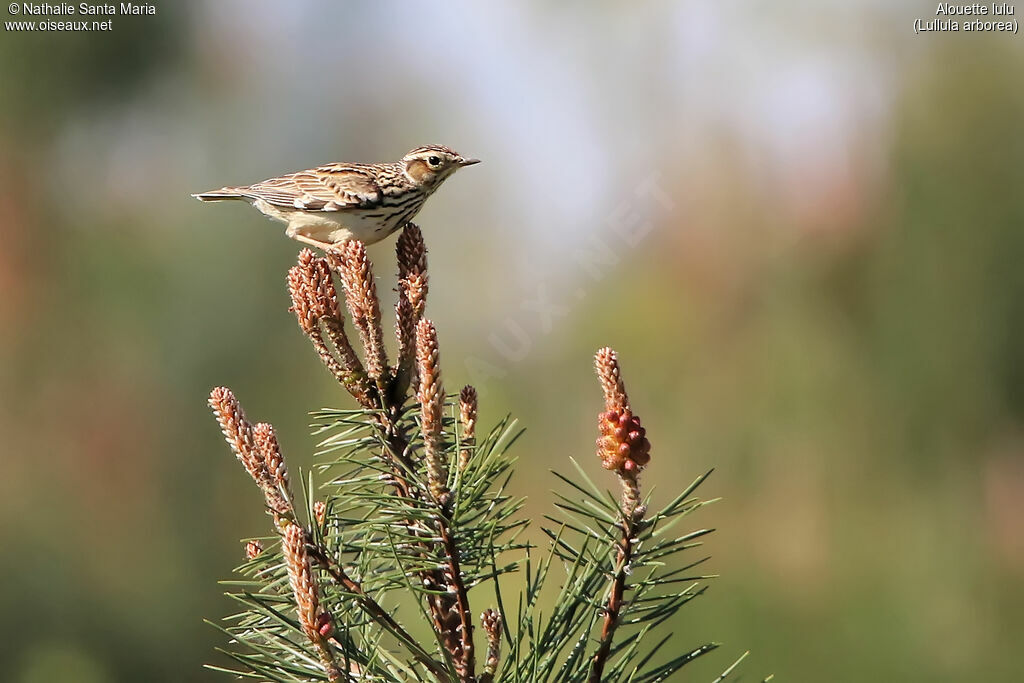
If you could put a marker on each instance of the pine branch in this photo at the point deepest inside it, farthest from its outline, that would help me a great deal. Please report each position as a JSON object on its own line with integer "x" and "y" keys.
{"x": 416, "y": 504}
{"x": 356, "y": 273}
{"x": 459, "y": 646}
{"x": 376, "y": 611}
{"x": 623, "y": 447}
{"x": 612, "y": 610}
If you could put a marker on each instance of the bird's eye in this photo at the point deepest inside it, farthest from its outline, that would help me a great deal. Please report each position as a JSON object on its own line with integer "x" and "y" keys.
{"x": 434, "y": 161}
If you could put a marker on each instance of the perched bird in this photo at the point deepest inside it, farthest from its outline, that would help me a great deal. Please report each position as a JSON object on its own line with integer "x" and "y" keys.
{"x": 337, "y": 202}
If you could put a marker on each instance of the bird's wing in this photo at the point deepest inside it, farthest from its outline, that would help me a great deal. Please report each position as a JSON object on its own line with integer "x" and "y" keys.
{"x": 327, "y": 188}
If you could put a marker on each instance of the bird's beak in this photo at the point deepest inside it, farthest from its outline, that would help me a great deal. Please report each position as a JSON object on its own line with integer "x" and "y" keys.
{"x": 468, "y": 162}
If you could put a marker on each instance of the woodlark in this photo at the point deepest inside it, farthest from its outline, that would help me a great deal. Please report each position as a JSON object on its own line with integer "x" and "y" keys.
{"x": 339, "y": 202}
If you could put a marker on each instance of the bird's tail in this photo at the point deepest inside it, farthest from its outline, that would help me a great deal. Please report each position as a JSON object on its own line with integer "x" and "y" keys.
{"x": 220, "y": 195}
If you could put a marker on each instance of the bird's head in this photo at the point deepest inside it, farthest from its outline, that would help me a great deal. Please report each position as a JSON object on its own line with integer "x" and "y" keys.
{"x": 431, "y": 164}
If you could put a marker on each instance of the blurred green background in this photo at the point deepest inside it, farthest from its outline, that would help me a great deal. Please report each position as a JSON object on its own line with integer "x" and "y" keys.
{"x": 799, "y": 223}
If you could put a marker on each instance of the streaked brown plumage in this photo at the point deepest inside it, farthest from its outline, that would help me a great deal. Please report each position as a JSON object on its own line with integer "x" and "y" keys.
{"x": 338, "y": 202}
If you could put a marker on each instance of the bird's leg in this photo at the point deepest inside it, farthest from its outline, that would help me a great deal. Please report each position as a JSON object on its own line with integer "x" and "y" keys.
{"x": 305, "y": 239}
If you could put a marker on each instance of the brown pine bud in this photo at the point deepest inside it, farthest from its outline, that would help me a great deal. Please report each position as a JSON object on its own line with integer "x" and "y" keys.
{"x": 411, "y": 252}
{"x": 237, "y": 432}
{"x": 431, "y": 393}
{"x": 606, "y": 362}
{"x": 300, "y": 577}
{"x": 315, "y": 302}
{"x": 467, "y": 412}
{"x": 467, "y": 419}
{"x": 320, "y": 512}
{"x": 416, "y": 290}
{"x": 268, "y": 447}
{"x": 274, "y": 475}
{"x": 492, "y": 623}
{"x": 311, "y": 287}
{"x": 303, "y": 305}
{"x": 405, "y": 331}
{"x": 253, "y": 549}
{"x": 431, "y": 399}
{"x": 353, "y": 265}
{"x": 303, "y": 583}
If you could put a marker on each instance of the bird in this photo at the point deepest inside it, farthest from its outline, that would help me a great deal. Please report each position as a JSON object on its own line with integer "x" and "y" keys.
{"x": 334, "y": 203}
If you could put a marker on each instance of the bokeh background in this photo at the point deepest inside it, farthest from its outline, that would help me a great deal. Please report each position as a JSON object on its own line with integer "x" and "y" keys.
{"x": 799, "y": 223}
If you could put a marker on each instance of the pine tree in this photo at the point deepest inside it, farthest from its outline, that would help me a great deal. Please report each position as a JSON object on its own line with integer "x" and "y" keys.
{"x": 412, "y": 511}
